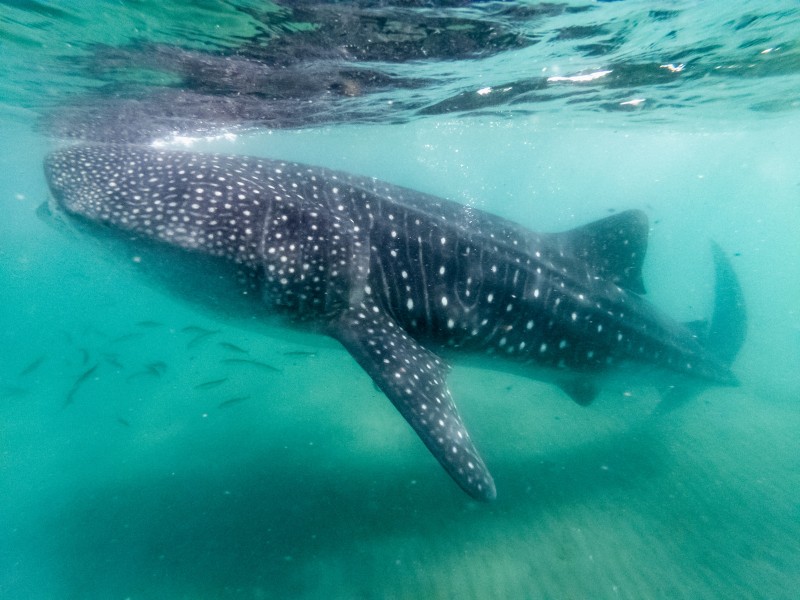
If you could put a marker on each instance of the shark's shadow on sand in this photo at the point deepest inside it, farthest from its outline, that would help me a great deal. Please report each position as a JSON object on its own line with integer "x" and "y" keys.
{"x": 242, "y": 524}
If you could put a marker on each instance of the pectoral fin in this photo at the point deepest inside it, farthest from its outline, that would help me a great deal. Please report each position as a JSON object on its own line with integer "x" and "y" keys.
{"x": 414, "y": 380}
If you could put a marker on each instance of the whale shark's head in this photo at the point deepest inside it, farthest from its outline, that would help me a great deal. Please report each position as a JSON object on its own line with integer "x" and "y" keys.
{"x": 199, "y": 202}
{"x": 148, "y": 211}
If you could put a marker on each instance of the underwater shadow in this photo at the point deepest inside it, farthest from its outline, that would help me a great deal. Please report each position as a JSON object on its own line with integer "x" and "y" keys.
{"x": 267, "y": 524}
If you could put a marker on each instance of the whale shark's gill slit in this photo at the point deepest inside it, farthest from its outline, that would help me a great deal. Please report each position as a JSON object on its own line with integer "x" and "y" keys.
{"x": 392, "y": 267}
{"x": 380, "y": 268}
{"x": 410, "y": 301}
{"x": 419, "y": 272}
{"x": 414, "y": 379}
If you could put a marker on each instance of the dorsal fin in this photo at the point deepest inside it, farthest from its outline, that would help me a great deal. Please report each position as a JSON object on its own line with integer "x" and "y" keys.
{"x": 614, "y": 247}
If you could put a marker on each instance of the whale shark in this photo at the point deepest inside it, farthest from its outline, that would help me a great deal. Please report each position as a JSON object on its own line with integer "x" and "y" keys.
{"x": 405, "y": 281}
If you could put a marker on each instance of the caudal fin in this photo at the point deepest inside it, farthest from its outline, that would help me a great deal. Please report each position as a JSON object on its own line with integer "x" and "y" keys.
{"x": 729, "y": 323}
{"x": 724, "y": 337}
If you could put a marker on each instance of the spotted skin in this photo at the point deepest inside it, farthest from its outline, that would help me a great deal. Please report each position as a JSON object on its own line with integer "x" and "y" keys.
{"x": 395, "y": 275}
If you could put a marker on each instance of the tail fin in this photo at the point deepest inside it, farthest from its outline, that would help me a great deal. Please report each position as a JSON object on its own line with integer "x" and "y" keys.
{"x": 729, "y": 323}
{"x": 726, "y": 334}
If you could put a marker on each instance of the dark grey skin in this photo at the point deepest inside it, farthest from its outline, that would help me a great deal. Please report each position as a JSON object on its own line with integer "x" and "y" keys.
{"x": 398, "y": 276}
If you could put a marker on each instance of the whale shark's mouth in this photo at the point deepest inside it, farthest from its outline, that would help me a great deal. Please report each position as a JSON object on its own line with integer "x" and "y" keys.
{"x": 71, "y": 187}
{"x": 63, "y": 211}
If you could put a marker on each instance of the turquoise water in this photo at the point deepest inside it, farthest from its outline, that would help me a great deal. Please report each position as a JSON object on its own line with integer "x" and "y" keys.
{"x": 135, "y": 463}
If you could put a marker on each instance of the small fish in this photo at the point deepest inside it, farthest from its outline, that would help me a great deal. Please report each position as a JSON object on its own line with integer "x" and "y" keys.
{"x": 207, "y": 385}
{"x": 234, "y": 348}
{"x": 156, "y": 368}
{"x": 247, "y": 361}
{"x": 195, "y": 329}
{"x": 84, "y": 377}
{"x": 113, "y": 360}
{"x": 122, "y": 421}
{"x": 230, "y": 401}
{"x": 299, "y": 353}
{"x": 84, "y": 356}
{"x": 126, "y": 337}
{"x": 199, "y": 338}
{"x": 93, "y": 331}
{"x": 12, "y": 391}
{"x": 149, "y": 324}
{"x": 31, "y": 367}
{"x": 153, "y": 369}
